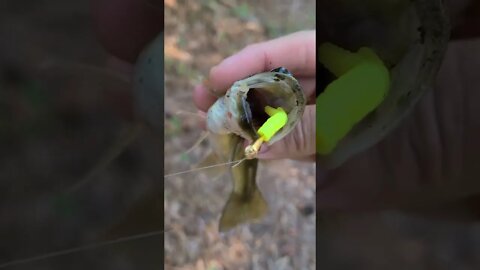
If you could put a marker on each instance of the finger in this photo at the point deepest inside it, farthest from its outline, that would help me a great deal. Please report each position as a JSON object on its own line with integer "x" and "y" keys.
{"x": 204, "y": 99}
{"x": 299, "y": 144}
{"x": 308, "y": 86}
{"x": 296, "y": 52}
{"x": 124, "y": 27}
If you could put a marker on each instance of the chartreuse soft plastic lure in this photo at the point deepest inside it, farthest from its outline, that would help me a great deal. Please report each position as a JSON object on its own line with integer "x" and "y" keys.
{"x": 277, "y": 120}
{"x": 361, "y": 85}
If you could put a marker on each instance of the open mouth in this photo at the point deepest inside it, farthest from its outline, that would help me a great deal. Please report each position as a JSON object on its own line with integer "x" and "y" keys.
{"x": 259, "y": 98}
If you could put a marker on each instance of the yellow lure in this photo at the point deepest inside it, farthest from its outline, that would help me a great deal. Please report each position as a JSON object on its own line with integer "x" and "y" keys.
{"x": 362, "y": 83}
{"x": 277, "y": 120}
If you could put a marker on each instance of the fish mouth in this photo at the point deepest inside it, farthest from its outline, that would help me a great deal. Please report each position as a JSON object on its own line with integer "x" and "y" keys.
{"x": 257, "y": 99}
{"x": 242, "y": 109}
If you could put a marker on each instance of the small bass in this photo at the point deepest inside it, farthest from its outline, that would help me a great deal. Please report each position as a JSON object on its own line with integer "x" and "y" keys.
{"x": 237, "y": 116}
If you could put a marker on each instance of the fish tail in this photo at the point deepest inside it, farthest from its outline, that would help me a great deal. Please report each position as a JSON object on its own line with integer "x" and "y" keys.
{"x": 242, "y": 209}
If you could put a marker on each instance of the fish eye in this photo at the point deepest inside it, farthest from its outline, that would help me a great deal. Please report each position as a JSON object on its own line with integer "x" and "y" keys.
{"x": 282, "y": 70}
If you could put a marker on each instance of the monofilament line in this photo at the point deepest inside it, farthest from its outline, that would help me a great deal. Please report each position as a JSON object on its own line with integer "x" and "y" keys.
{"x": 83, "y": 248}
{"x": 202, "y": 168}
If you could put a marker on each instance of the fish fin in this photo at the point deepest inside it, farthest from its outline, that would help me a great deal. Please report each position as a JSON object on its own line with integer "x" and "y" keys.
{"x": 240, "y": 209}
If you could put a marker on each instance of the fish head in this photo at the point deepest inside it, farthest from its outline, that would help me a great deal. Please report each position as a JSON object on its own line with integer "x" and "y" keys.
{"x": 241, "y": 110}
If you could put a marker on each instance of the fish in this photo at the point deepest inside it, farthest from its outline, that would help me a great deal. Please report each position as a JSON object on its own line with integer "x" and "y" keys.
{"x": 246, "y": 202}
{"x": 236, "y": 117}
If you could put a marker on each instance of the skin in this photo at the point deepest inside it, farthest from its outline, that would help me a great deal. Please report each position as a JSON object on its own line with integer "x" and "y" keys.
{"x": 266, "y": 56}
{"x": 432, "y": 157}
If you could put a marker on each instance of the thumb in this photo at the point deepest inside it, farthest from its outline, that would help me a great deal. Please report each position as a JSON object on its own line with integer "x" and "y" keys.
{"x": 299, "y": 144}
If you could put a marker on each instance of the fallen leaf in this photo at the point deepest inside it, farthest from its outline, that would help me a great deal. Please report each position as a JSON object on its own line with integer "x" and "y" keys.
{"x": 174, "y": 52}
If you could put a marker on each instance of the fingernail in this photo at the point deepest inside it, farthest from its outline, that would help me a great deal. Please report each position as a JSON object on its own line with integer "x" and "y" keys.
{"x": 213, "y": 70}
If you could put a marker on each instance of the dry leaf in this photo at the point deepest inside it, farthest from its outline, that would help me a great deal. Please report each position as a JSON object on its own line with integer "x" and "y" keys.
{"x": 172, "y": 51}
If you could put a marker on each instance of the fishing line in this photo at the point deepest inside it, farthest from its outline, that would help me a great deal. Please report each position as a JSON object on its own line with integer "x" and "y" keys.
{"x": 204, "y": 134}
{"x": 241, "y": 160}
{"x": 82, "y": 248}
{"x": 198, "y": 142}
{"x": 207, "y": 167}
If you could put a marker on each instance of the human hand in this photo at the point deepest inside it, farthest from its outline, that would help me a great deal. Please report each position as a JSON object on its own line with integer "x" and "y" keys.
{"x": 429, "y": 160}
{"x": 296, "y": 52}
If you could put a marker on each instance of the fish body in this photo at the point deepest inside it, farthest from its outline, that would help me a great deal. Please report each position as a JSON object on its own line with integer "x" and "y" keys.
{"x": 246, "y": 202}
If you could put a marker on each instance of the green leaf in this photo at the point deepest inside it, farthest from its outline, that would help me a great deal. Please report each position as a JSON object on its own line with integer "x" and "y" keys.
{"x": 243, "y": 11}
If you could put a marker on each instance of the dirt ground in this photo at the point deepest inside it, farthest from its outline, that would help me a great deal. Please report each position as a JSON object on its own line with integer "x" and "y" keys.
{"x": 198, "y": 35}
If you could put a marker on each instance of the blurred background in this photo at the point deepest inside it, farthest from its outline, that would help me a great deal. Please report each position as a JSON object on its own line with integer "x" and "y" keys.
{"x": 63, "y": 102}
{"x": 198, "y": 35}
